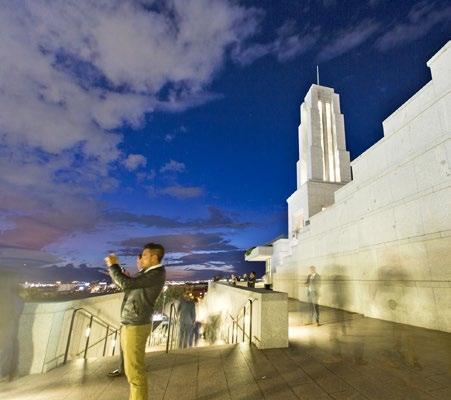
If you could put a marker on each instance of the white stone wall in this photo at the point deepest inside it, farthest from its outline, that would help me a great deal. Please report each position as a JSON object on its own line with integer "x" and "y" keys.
{"x": 384, "y": 247}
{"x": 44, "y": 327}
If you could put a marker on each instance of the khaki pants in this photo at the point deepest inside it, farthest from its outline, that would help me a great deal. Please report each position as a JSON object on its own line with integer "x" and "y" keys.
{"x": 133, "y": 341}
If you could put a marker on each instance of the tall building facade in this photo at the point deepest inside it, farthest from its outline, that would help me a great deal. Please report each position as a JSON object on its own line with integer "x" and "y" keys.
{"x": 381, "y": 241}
{"x": 324, "y": 164}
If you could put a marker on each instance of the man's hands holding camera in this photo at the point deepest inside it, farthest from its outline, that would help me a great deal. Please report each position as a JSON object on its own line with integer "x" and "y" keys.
{"x": 111, "y": 259}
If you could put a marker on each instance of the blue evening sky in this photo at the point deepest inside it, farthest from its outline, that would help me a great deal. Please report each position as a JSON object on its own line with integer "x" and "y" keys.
{"x": 123, "y": 122}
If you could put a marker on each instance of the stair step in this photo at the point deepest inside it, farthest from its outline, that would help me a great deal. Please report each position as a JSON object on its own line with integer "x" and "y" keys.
{"x": 198, "y": 349}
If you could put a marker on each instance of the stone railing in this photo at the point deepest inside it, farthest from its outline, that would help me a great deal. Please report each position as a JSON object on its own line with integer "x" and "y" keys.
{"x": 44, "y": 328}
{"x": 269, "y": 311}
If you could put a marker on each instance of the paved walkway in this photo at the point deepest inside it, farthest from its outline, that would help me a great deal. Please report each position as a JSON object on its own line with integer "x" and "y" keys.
{"x": 348, "y": 357}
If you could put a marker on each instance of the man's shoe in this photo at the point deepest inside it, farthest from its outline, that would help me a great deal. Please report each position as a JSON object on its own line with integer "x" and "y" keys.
{"x": 116, "y": 373}
{"x": 318, "y": 324}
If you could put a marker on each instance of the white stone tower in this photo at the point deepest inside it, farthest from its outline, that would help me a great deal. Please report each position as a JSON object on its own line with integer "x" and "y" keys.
{"x": 324, "y": 164}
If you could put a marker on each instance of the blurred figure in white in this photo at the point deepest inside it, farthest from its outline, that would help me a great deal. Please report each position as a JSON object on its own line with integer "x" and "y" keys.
{"x": 313, "y": 284}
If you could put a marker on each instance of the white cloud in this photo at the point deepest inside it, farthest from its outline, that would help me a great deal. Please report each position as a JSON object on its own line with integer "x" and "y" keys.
{"x": 146, "y": 176}
{"x": 77, "y": 68}
{"x": 348, "y": 39}
{"x": 134, "y": 161}
{"x": 289, "y": 43}
{"x": 211, "y": 266}
{"x": 187, "y": 272}
{"x": 169, "y": 137}
{"x": 420, "y": 20}
{"x": 182, "y": 192}
{"x": 173, "y": 166}
{"x": 72, "y": 74}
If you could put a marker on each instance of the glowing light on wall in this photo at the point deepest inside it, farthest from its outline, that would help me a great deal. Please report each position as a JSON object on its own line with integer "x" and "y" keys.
{"x": 268, "y": 267}
{"x": 323, "y": 151}
{"x": 329, "y": 147}
{"x": 336, "y": 153}
{"x": 297, "y": 219}
{"x": 330, "y": 140}
{"x": 303, "y": 146}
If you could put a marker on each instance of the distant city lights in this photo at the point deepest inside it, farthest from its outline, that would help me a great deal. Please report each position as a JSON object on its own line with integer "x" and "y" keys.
{"x": 57, "y": 289}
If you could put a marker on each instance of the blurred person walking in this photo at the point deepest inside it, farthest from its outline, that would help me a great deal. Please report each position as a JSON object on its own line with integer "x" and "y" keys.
{"x": 313, "y": 284}
{"x": 187, "y": 318}
{"x": 140, "y": 294}
{"x": 11, "y": 307}
{"x": 251, "y": 279}
{"x": 194, "y": 339}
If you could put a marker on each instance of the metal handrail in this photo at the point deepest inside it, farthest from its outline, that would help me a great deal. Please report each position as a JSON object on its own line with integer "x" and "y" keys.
{"x": 92, "y": 318}
{"x": 156, "y": 336}
{"x": 173, "y": 316}
{"x": 236, "y": 324}
{"x": 113, "y": 332}
{"x": 96, "y": 343}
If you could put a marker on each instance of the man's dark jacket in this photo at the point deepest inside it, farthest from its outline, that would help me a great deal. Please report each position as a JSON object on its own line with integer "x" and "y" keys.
{"x": 140, "y": 293}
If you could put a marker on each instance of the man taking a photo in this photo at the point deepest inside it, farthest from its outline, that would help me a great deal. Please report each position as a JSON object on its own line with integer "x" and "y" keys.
{"x": 140, "y": 294}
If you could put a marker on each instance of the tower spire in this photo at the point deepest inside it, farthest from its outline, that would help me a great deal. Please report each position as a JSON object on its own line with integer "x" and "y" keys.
{"x": 317, "y": 75}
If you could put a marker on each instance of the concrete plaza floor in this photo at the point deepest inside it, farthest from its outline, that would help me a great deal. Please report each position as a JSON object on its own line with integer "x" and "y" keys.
{"x": 347, "y": 357}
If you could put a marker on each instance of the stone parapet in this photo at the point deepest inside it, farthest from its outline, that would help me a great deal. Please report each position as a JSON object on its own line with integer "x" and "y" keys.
{"x": 269, "y": 311}
{"x": 44, "y": 328}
